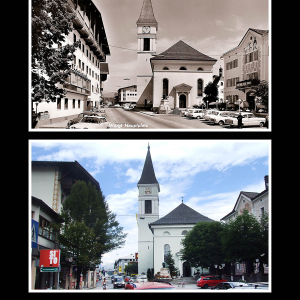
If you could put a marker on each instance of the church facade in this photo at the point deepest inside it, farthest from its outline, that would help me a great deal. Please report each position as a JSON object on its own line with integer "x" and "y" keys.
{"x": 157, "y": 237}
{"x": 175, "y": 77}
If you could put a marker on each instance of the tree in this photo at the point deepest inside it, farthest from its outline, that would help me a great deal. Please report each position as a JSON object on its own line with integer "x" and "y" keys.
{"x": 90, "y": 228}
{"x": 171, "y": 264}
{"x": 262, "y": 91}
{"x": 50, "y": 24}
{"x": 131, "y": 268}
{"x": 241, "y": 240}
{"x": 211, "y": 91}
{"x": 202, "y": 246}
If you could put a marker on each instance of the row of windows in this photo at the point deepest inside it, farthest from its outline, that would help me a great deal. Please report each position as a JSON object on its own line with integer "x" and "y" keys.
{"x": 66, "y": 103}
{"x": 232, "y": 64}
{"x": 232, "y": 81}
{"x": 251, "y": 56}
{"x": 182, "y": 68}
{"x": 88, "y": 53}
{"x": 88, "y": 70}
{"x": 165, "y": 91}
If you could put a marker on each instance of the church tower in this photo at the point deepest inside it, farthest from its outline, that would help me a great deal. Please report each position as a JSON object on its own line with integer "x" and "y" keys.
{"x": 147, "y": 27}
{"x": 148, "y": 203}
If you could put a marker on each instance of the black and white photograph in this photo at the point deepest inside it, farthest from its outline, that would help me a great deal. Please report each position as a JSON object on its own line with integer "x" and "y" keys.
{"x": 150, "y": 65}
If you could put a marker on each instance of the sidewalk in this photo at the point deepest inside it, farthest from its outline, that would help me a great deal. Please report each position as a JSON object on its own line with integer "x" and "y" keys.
{"x": 57, "y": 125}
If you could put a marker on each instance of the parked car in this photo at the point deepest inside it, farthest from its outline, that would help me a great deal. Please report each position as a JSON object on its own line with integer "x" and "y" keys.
{"x": 149, "y": 286}
{"x": 196, "y": 113}
{"x": 228, "y": 285}
{"x": 81, "y": 115}
{"x": 185, "y": 112}
{"x": 208, "y": 114}
{"x": 117, "y": 105}
{"x": 249, "y": 119}
{"x": 219, "y": 117}
{"x": 127, "y": 278}
{"x": 208, "y": 281}
{"x": 118, "y": 281}
{"x": 91, "y": 122}
{"x": 142, "y": 278}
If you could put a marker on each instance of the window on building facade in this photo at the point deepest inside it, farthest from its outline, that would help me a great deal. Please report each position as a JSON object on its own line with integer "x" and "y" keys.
{"x": 167, "y": 250}
{"x": 199, "y": 87}
{"x": 148, "y": 207}
{"x": 184, "y": 232}
{"x": 165, "y": 87}
{"x": 66, "y": 103}
{"x": 58, "y": 103}
{"x": 182, "y": 68}
{"x": 45, "y": 229}
{"x": 146, "y": 44}
{"x": 200, "y": 69}
{"x": 165, "y": 68}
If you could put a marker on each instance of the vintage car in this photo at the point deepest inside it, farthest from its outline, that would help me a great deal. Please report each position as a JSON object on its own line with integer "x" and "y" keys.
{"x": 86, "y": 113}
{"x": 186, "y": 111}
{"x": 91, "y": 122}
{"x": 249, "y": 119}
{"x": 219, "y": 117}
{"x": 208, "y": 114}
{"x": 196, "y": 113}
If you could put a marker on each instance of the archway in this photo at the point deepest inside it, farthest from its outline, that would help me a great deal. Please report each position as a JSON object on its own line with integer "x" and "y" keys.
{"x": 182, "y": 101}
{"x": 186, "y": 269}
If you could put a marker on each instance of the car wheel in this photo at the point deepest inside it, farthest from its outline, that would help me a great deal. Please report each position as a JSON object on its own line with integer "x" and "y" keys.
{"x": 261, "y": 124}
{"x": 221, "y": 123}
{"x": 205, "y": 286}
{"x": 198, "y": 117}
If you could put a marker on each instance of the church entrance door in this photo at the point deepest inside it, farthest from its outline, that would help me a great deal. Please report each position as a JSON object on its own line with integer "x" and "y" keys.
{"x": 186, "y": 269}
{"x": 182, "y": 101}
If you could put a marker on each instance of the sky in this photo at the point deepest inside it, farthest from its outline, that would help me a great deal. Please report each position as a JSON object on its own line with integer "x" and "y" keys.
{"x": 212, "y": 27}
{"x": 208, "y": 174}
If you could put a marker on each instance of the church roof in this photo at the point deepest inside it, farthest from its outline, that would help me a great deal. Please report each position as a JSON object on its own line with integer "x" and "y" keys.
{"x": 182, "y": 51}
{"x": 148, "y": 175}
{"x": 147, "y": 14}
{"x": 182, "y": 214}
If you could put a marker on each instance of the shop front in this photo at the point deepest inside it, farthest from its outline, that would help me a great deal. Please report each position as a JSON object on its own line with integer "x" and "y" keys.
{"x": 246, "y": 86}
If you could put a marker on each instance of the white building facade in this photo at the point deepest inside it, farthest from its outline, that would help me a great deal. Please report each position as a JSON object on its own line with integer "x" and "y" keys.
{"x": 89, "y": 69}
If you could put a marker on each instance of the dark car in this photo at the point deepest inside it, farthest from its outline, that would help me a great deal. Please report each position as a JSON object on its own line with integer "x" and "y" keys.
{"x": 118, "y": 281}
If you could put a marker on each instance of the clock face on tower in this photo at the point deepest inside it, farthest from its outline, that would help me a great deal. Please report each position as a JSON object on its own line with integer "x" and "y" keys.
{"x": 148, "y": 191}
{"x": 146, "y": 29}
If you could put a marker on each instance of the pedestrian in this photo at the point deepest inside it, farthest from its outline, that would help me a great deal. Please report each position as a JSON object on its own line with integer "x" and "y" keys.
{"x": 239, "y": 118}
{"x": 104, "y": 283}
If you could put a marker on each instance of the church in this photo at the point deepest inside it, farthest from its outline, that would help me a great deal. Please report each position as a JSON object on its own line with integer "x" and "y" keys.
{"x": 174, "y": 78}
{"x": 157, "y": 237}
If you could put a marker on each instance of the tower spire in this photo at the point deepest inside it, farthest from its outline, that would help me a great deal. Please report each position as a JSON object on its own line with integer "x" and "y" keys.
{"x": 147, "y": 14}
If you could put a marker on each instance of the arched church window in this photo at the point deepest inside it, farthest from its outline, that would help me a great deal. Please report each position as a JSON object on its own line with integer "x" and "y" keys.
{"x": 165, "y": 68}
{"x": 199, "y": 87}
{"x": 200, "y": 69}
{"x": 184, "y": 232}
{"x": 165, "y": 87}
{"x": 166, "y": 233}
{"x": 167, "y": 250}
{"x": 182, "y": 68}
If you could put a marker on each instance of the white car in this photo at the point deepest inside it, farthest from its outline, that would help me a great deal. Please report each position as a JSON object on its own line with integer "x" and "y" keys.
{"x": 142, "y": 278}
{"x": 208, "y": 114}
{"x": 91, "y": 122}
{"x": 249, "y": 119}
{"x": 219, "y": 117}
{"x": 196, "y": 113}
{"x": 117, "y": 105}
{"x": 185, "y": 112}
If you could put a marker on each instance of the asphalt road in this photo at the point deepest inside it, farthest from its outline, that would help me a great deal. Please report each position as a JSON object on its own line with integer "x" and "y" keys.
{"x": 119, "y": 118}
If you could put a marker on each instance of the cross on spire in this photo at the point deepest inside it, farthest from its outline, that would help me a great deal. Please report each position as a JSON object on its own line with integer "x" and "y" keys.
{"x": 181, "y": 199}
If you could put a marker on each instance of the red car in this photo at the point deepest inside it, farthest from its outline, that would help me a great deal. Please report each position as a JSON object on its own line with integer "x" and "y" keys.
{"x": 206, "y": 281}
{"x": 149, "y": 286}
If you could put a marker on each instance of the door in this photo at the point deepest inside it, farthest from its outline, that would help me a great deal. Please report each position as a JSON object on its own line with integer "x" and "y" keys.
{"x": 182, "y": 101}
{"x": 186, "y": 269}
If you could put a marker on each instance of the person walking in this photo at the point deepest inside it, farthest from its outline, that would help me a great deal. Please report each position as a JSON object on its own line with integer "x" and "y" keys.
{"x": 104, "y": 283}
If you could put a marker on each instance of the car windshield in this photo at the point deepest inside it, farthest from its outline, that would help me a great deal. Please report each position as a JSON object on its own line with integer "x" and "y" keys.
{"x": 119, "y": 279}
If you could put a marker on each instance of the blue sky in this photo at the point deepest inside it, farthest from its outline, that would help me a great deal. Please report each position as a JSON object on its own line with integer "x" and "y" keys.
{"x": 209, "y": 174}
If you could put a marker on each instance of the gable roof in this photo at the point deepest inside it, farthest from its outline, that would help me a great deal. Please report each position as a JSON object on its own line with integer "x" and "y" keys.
{"x": 148, "y": 175}
{"x": 182, "y": 214}
{"x": 182, "y": 51}
{"x": 147, "y": 14}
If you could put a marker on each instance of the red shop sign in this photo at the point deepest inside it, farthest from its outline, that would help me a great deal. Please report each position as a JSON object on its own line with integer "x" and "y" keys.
{"x": 49, "y": 258}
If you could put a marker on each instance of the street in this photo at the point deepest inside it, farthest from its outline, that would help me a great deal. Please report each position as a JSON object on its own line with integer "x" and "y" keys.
{"x": 119, "y": 118}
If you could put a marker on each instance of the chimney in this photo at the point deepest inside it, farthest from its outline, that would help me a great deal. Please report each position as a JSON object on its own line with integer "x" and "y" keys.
{"x": 267, "y": 182}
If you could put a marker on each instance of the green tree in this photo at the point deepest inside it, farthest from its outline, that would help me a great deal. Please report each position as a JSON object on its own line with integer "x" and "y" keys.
{"x": 241, "y": 240}
{"x": 171, "y": 264}
{"x": 131, "y": 268}
{"x": 90, "y": 228}
{"x": 202, "y": 246}
{"x": 50, "y": 24}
